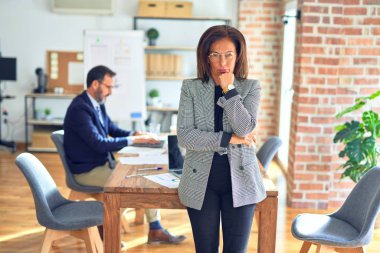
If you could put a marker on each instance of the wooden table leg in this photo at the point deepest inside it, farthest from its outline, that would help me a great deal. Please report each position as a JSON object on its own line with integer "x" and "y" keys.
{"x": 267, "y": 225}
{"x": 111, "y": 226}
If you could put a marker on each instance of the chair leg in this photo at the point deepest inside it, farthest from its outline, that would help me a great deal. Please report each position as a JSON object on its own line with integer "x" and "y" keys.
{"x": 95, "y": 238}
{"x": 87, "y": 235}
{"x": 318, "y": 249}
{"x": 305, "y": 247}
{"x": 51, "y": 236}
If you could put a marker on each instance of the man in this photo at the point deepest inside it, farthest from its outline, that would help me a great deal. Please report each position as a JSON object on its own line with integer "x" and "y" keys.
{"x": 91, "y": 137}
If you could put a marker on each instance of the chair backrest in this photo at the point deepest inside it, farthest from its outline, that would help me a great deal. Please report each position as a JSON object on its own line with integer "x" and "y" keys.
{"x": 45, "y": 193}
{"x": 362, "y": 205}
{"x": 57, "y": 138}
{"x": 268, "y": 150}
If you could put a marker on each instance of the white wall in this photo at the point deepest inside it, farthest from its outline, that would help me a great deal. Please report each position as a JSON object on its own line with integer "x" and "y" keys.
{"x": 28, "y": 28}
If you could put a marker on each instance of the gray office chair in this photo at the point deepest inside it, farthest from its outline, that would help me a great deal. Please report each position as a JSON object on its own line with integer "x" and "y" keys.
{"x": 351, "y": 227}
{"x": 83, "y": 192}
{"x": 78, "y": 191}
{"x": 268, "y": 150}
{"x": 60, "y": 216}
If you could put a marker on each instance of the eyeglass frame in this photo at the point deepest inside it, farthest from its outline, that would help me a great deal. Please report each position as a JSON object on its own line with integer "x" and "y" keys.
{"x": 109, "y": 87}
{"x": 220, "y": 55}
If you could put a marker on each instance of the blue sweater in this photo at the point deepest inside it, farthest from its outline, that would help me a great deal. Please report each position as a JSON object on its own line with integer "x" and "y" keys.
{"x": 86, "y": 142}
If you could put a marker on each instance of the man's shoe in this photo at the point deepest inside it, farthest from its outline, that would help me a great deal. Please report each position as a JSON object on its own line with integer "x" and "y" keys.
{"x": 163, "y": 236}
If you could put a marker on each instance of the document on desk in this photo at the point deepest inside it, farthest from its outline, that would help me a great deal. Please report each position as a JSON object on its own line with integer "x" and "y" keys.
{"x": 166, "y": 179}
{"x": 150, "y": 159}
{"x": 141, "y": 151}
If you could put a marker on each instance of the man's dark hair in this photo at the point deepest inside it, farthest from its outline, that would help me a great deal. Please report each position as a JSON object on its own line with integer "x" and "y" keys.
{"x": 98, "y": 73}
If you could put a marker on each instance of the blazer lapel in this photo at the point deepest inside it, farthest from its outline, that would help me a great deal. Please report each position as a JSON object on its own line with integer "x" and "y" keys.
{"x": 98, "y": 125}
{"x": 208, "y": 95}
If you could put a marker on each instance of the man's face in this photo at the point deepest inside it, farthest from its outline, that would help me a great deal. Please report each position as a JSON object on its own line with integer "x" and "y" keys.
{"x": 104, "y": 89}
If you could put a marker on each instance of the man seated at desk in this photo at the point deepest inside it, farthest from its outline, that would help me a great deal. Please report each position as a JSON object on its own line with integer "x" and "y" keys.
{"x": 91, "y": 137}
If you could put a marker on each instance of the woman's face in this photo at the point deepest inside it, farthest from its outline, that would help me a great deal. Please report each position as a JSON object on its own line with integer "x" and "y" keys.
{"x": 222, "y": 58}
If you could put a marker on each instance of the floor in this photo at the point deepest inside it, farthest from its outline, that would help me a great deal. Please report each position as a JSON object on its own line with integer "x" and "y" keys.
{"x": 20, "y": 232}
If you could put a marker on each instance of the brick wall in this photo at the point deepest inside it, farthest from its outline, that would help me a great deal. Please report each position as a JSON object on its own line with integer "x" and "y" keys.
{"x": 261, "y": 25}
{"x": 337, "y": 59}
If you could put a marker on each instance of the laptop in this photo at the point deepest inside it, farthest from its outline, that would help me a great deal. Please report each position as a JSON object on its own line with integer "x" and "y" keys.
{"x": 175, "y": 156}
{"x": 149, "y": 145}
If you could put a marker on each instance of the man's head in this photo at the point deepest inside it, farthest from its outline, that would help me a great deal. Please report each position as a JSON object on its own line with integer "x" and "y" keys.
{"x": 100, "y": 83}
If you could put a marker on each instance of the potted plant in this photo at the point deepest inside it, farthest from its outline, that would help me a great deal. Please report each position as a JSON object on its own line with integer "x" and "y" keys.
{"x": 47, "y": 112}
{"x": 154, "y": 95}
{"x": 152, "y": 35}
{"x": 359, "y": 139}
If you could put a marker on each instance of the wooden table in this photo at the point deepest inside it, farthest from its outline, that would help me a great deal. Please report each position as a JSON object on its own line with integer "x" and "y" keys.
{"x": 139, "y": 192}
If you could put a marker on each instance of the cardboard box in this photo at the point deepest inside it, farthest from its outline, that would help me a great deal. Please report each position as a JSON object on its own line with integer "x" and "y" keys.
{"x": 152, "y": 8}
{"x": 179, "y": 9}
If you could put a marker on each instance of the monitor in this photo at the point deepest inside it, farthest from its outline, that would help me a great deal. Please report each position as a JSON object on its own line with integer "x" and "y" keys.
{"x": 7, "y": 69}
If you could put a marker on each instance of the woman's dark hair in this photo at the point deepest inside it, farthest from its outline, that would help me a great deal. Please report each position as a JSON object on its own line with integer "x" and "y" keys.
{"x": 214, "y": 34}
{"x": 98, "y": 73}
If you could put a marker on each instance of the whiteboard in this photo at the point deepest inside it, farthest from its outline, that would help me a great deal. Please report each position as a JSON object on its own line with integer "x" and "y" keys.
{"x": 123, "y": 52}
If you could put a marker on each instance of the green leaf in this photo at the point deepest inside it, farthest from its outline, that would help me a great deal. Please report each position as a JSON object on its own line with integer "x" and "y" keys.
{"x": 370, "y": 120}
{"x": 350, "y": 109}
{"x": 352, "y": 130}
{"x": 374, "y": 95}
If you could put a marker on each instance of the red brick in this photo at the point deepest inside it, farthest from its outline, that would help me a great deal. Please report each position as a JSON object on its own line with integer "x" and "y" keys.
{"x": 344, "y": 100}
{"x": 313, "y": 50}
{"x": 360, "y": 41}
{"x": 307, "y": 70}
{"x": 323, "y": 177}
{"x": 306, "y": 109}
{"x": 365, "y": 61}
{"x": 303, "y": 186}
{"x": 310, "y": 20}
{"x": 329, "y": 30}
{"x": 369, "y": 51}
{"x": 375, "y": 30}
{"x": 366, "y": 81}
{"x": 329, "y": 1}
{"x": 309, "y": 129}
{"x": 335, "y": 41}
{"x": 315, "y": 9}
{"x": 308, "y": 100}
{"x": 326, "y": 61}
{"x": 316, "y": 80}
{"x": 317, "y": 196}
{"x": 308, "y": 139}
{"x": 354, "y": 11}
{"x": 321, "y": 120}
{"x": 337, "y": 10}
{"x": 304, "y": 177}
{"x": 326, "y": 20}
{"x": 352, "y": 31}
{"x": 343, "y": 21}
{"x": 373, "y": 2}
{"x": 350, "y": 71}
{"x": 311, "y": 40}
{"x": 351, "y": 2}
{"x": 375, "y": 71}
{"x": 326, "y": 110}
{"x": 372, "y": 21}
{"x": 328, "y": 71}
{"x": 307, "y": 29}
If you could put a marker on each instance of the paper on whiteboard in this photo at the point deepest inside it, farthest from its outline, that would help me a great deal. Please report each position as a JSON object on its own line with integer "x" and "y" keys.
{"x": 151, "y": 159}
{"x": 166, "y": 179}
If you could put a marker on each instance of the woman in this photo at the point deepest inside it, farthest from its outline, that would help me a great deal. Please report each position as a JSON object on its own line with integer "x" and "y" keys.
{"x": 217, "y": 114}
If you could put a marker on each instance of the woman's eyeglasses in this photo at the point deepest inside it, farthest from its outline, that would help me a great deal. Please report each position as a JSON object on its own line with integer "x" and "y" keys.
{"x": 215, "y": 56}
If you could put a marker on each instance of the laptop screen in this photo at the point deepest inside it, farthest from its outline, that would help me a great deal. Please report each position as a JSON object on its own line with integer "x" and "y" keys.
{"x": 175, "y": 155}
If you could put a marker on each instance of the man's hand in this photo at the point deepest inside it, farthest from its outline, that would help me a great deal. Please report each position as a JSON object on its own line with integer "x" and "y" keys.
{"x": 151, "y": 139}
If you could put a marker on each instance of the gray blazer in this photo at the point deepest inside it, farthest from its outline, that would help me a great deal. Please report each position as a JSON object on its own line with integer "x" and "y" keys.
{"x": 196, "y": 133}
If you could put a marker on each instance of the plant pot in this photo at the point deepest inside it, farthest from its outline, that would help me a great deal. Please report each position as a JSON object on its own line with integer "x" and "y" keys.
{"x": 152, "y": 42}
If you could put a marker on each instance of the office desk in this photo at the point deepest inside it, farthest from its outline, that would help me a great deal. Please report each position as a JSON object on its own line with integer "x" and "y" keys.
{"x": 139, "y": 192}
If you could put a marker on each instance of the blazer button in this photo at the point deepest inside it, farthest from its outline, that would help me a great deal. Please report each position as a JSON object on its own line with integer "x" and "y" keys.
{"x": 239, "y": 145}
{"x": 194, "y": 170}
{"x": 241, "y": 168}
{"x": 233, "y": 147}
